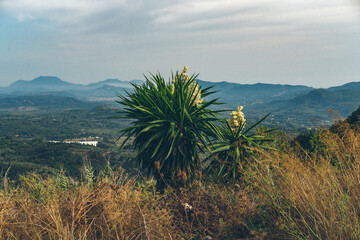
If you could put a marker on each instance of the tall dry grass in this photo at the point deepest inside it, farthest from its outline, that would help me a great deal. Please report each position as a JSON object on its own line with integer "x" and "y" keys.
{"x": 112, "y": 209}
{"x": 119, "y": 207}
{"x": 222, "y": 212}
{"x": 311, "y": 195}
{"x": 288, "y": 193}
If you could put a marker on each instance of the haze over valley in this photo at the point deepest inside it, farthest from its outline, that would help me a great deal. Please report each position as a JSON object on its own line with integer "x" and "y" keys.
{"x": 293, "y": 108}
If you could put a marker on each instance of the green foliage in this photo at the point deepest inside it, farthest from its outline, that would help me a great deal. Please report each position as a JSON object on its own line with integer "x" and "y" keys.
{"x": 46, "y": 158}
{"x": 354, "y": 118}
{"x": 88, "y": 174}
{"x": 60, "y": 125}
{"x": 171, "y": 124}
{"x": 39, "y": 155}
{"x": 235, "y": 145}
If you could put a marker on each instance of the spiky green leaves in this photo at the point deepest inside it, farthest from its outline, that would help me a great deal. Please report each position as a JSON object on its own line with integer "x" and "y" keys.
{"x": 171, "y": 124}
{"x": 234, "y": 144}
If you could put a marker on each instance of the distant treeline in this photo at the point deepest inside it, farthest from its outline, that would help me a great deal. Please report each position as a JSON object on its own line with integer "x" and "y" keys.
{"x": 60, "y": 125}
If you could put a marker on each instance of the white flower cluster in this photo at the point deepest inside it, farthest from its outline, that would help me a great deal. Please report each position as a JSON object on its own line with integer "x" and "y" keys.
{"x": 193, "y": 87}
{"x": 237, "y": 118}
{"x": 188, "y": 207}
{"x": 184, "y": 77}
{"x": 172, "y": 88}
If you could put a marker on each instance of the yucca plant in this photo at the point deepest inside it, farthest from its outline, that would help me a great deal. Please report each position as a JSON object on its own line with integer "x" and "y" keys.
{"x": 172, "y": 124}
{"x": 234, "y": 144}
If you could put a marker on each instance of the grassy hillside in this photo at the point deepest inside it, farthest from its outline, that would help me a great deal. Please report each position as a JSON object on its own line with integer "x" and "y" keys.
{"x": 207, "y": 177}
{"x": 287, "y": 193}
{"x": 46, "y": 101}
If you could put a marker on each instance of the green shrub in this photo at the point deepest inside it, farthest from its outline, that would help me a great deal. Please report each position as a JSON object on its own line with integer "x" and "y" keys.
{"x": 235, "y": 144}
{"x": 172, "y": 123}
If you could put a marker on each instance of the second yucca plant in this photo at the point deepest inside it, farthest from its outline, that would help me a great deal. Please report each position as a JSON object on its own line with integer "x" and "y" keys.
{"x": 172, "y": 122}
{"x": 234, "y": 143}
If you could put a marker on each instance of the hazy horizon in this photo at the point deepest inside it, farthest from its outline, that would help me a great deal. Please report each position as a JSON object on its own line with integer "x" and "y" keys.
{"x": 303, "y": 42}
{"x": 129, "y": 80}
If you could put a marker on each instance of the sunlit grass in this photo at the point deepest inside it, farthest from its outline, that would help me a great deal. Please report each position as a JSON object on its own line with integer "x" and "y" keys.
{"x": 287, "y": 193}
{"x": 113, "y": 206}
{"x": 312, "y": 195}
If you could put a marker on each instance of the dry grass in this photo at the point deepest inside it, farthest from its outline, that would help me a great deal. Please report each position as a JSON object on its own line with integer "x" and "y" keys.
{"x": 218, "y": 211}
{"x": 113, "y": 209}
{"x": 118, "y": 208}
{"x": 312, "y": 195}
{"x": 287, "y": 194}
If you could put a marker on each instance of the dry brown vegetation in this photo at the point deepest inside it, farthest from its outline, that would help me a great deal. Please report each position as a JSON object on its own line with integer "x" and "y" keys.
{"x": 288, "y": 193}
{"x": 43, "y": 209}
{"x": 118, "y": 208}
{"x": 312, "y": 195}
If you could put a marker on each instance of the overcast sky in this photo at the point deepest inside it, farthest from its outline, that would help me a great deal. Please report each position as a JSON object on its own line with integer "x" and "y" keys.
{"x": 299, "y": 42}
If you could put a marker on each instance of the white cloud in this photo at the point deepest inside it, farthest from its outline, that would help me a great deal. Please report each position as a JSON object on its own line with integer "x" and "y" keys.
{"x": 207, "y": 23}
{"x": 143, "y": 33}
{"x": 24, "y": 17}
{"x": 120, "y": 19}
{"x": 256, "y": 11}
{"x": 184, "y": 13}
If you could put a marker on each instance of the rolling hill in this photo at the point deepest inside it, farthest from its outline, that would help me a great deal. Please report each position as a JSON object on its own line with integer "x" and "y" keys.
{"x": 293, "y": 106}
{"x": 44, "y": 102}
{"x": 101, "y": 91}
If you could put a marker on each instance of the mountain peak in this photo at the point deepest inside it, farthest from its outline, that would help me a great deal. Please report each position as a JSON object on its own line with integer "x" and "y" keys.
{"x": 346, "y": 86}
{"x": 42, "y": 80}
{"x": 111, "y": 80}
{"x": 115, "y": 83}
{"x": 48, "y": 80}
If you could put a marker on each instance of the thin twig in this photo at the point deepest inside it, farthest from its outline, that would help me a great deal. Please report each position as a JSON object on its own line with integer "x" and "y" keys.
{"x": 145, "y": 226}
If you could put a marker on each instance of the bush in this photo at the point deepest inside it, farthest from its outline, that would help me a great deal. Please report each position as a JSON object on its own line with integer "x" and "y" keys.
{"x": 172, "y": 125}
{"x": 235, "y": 144}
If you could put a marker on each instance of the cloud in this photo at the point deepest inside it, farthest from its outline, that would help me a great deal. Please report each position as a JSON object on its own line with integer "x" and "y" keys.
{"x": 206, "y": 24}
{"x": 84, "y": 15}
{"x": 274, "y": 35}
{"x": 143, "y": 16}
{"x": 256, "y": 12}
{"x": 199, "y": 20}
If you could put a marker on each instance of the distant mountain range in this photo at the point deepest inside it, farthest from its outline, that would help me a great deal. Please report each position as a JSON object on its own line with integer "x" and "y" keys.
{"x": 291, "y": 107}
{"x": 300, "y": 105}
{"x": 100, "y": 91}
{"x": 235, "y": 94}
